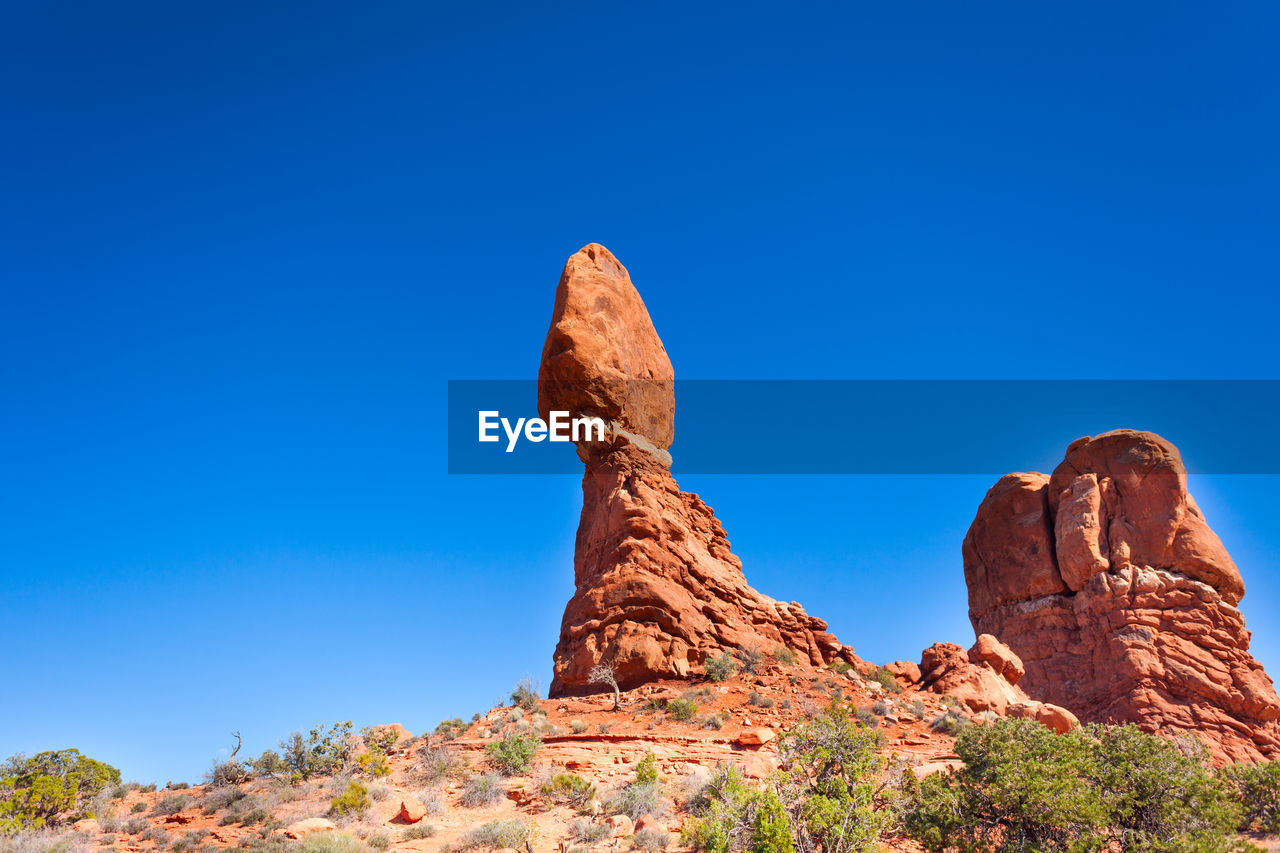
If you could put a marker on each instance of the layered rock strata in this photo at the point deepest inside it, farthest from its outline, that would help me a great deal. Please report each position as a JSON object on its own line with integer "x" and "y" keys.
{"x": 658, "y": 589}
{"x": 1108, "y": 583}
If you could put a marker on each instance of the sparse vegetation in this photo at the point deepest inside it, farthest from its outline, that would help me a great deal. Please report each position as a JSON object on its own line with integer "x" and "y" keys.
{"x": 439, "y": 763}
{"x": 651, "y": 840}
{"x": 419, "y": 831}
{"x": 949, "y": 723}
{"x": 588, "y": 831}
{"x": 759, "y": 701}
{"x": 451, "y": 729}
{"x": 527, "y": 694}
{"x": 720, "y": 667}
{"x": 514, "y": 753}
{"x": 332, "y": 842}
{"x": 710, "y": 721}
{"x": 568, "y": 789}
{"x": 319, "y": 753}
{"x": 643, "y": 795}
{"x": 784, "y": 656}
{"x": 605, "y": 674}
{"x": 352, "y": 799}
{"x": 885, "y": 678}
{"x": 918, "y": 709}
{"x": 752, "y": 660}
{"x": 482, "y": 790}
{"x": 881, "y": 708}
{"x": 867, "y": 717}
{"x": 497, "y": 835}
{"x": 170, "y": 804}
{"x": 682, "y": 709}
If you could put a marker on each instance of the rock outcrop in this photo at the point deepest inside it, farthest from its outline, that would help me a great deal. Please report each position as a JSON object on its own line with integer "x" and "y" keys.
{"x": 657, "y": 587}
{"x": 1107, "y": 582}
{"x": 986, "y": 679}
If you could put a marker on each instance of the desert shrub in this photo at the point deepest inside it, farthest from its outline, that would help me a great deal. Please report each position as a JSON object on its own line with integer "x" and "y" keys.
{"x": 268, "y": 764}
{"x": 134, "y": 825}
{"x": 1024, "y": 787}
{"x": 1257, "y": 787}
{"x": 603, "y": 728}
{"x": 577, "y": 726}
{"x": 729, "y": 816}
{"x": 527, "y": 694}
{"x": 138, "y": 807}
{"x": 784, "y": 656}
{"x": 568, "y": 789}
{"x": 418, "y": 831}
{"x": 219, "y": 798}
{"x": 867, "y": 717}
{"x": 188, "y": 842}
{"x": 332, "y": 842}
{"x": 440, "y": 763}
{"x": 513, "y": 754}
{"x": 515, "y": 715}
{"x": 379, "y": 841}
{"x": 721, "y": 667}
{"x": 374, "y": 763}
{"x": 482, "y": 790}
{"x": 353, "y": 799}
{"x": 785, "y": 704}
{"x": 759, "y": 701}
{"x": 885, "y": 679}
{"x": 636, "y": 799}
{"x": 881, "y": 708}
{"x": 382, "y": 739}
{"x": 839, "y": 666}
{"x": 170, "y": 804}
{"x": 320, "y": 753}
{"x": 229, "y": 772}
{"x": 949, "y": 701}
{"x": 949, "y": 723}
{"x": 710, "y": 721}
{"x": 42, "y": 841}
{"x": 587, "y": 831}
{"x": 651, "y": 840}
{"x": 178, "y": 786}
{"x": 751, "y": 660}
{"x": 828, "y": 785}
{"x": 682, "y": 709}
{"x": 48, "y": 787}
{"x": 157, "y": 835}
{"x": 498, "y": 835}
{"x": 918, "y": 709}
{"x": 451, "y": 729}
{"x": 647, "y": 770}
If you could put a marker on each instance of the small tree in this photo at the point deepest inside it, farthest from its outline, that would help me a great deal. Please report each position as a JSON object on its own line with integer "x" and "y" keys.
{"x": 604, "y": 673}
{"x": 48, "y": 787}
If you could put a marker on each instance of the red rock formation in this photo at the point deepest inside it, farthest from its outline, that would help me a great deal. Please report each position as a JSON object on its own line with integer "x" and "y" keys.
{"x": 658, "y": 589}
{"x": 985, "y": 679}
{"x": 1119, "y": 599}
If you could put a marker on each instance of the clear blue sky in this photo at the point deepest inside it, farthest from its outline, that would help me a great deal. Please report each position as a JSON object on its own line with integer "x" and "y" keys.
{"x": 244, "y": 246}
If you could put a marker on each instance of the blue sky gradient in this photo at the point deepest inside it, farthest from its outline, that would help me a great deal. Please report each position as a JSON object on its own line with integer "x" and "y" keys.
{"x": 244, "y": 247}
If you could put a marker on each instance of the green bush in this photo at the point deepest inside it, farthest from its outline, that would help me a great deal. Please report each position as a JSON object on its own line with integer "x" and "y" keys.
{"x": 354, "y": 799}
{"x": 320, "y": 753}
{"x": 513, "y": 754}
{"x": 682, "y": 709}
{"x": 451, "y": 729}
{"x": 1099, "y": 788}
{"x": 482, "y": 790}
{"x": 722, "y": 667}
{"x": 568, "y": 789}
{"x": 647, "y": 769}
{"x": 784, "y": 656}
{"x": 1257, "y": 787}
{"x": 729, "y": 816}
{"x": 49, "y": 787}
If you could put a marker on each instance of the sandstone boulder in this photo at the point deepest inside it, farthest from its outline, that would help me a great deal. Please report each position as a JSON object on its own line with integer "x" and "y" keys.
{"x": 757, "y": 736}
{"x": 990, "y": 652}
{"x": 1108, "y": 584}
{"x": 947, "y": 669}
{"x": 658, "y": 589}
{"x": 411, "y": 811}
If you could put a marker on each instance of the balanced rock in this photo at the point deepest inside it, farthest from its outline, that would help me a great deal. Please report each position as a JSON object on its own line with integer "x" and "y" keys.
{"x": 657, "y": 588}
{"x": 1117, "y": 597}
